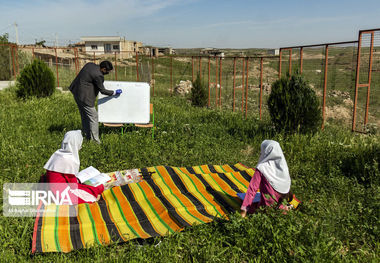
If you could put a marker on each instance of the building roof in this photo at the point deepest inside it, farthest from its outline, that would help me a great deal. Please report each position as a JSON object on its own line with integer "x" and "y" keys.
{"x": 102, "y": 38}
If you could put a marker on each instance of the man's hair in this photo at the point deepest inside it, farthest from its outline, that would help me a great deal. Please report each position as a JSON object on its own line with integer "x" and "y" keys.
{"x": 106, "y": 64}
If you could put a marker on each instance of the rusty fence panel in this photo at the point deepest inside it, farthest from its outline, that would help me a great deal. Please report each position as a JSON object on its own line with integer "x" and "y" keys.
{"x": 330, "y": 70}
{"x": 6, "y": 62}
{"x": 366, "y": 113}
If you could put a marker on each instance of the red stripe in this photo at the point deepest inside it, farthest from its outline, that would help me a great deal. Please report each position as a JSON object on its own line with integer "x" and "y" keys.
{"x": 35, "y": 229}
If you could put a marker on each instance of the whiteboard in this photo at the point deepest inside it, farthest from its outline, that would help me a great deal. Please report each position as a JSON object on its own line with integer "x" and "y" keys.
{"x": 132, "y": 106}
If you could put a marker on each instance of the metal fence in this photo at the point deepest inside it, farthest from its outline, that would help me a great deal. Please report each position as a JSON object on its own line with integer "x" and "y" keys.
{"x": 345, "y": 75}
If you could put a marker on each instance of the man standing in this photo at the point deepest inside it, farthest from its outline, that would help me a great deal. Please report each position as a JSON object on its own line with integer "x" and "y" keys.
{"x": 85, "y": 88}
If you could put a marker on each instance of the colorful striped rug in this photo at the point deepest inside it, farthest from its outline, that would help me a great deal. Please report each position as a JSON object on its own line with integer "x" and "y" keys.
{"x": 167, "y": 200}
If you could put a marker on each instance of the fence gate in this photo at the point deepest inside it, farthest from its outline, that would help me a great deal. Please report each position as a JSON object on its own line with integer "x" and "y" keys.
{"x": 366, "y": 84}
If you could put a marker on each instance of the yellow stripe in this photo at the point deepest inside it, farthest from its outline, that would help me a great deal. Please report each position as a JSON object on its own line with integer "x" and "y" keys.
{"x": 155, "y": 222}
{"x": 241, "y": 167}
{"x": 117, "y": 217}
{"x": 49, "y": 229}
{"x": 197, "y": 170}
{"x": 86, "y": 226}
{"x": 205, "y": 197}
{"x": 218, "y": 169}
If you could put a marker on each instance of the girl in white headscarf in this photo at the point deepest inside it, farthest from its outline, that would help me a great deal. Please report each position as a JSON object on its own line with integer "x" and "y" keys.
{"x": 271, "y": 177}
{"x": 62, "y": 167}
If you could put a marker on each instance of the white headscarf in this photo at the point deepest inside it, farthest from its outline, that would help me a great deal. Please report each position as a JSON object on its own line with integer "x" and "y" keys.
{"x": 273, "y": 166}
{"x": 66, "y": 159}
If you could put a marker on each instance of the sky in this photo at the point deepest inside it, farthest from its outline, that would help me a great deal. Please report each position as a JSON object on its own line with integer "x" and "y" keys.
{"x": 190, "y": 23}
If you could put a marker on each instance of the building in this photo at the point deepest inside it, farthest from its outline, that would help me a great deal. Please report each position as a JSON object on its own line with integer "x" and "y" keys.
{"x": 274, "y": 52}
{"x": 157, "y": 51}
{"x": 212, "y": 52}
{"x": 100, "y": 45}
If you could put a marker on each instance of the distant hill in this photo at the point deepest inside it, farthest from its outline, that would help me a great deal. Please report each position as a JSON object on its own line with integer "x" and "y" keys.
{"x": 227, "y": 51}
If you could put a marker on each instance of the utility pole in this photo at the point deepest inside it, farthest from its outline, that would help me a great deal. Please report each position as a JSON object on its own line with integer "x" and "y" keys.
{"x": 16, "y": 30}
{"x": 56, "y": 40}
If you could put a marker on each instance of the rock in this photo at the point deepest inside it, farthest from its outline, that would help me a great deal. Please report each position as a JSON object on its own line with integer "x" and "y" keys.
{"x": 184, "y": 87}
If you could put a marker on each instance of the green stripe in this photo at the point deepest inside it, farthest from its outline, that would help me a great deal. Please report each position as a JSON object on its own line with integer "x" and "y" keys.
{"x": 93, "y": 224}
{"x": 230, "y": 197}
{"x": 122, "y": 214}
{"x": 174, "y": 168}
{"x": 56, "y": 230}
{"x": 154, "y": 211}
{"x": 201, "y": 169}
{"x": 177, "y": 197}
{"x": 221, "y": 167}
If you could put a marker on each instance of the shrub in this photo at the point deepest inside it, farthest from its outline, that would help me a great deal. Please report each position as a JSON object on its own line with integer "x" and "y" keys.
{"x": 293, "y": 105}
{"x": 35, "y": 79}
{"x": 198, "y": 93}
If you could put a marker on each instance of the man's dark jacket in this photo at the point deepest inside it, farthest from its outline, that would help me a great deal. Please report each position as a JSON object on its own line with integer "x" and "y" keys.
{"x": 88, "y": 83}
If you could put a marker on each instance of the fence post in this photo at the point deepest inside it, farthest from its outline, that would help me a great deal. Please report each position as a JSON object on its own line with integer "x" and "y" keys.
{"x": 301, "y": 59}
{"x": 242, "y": 86}
{"x": 234, "y": 83}
{"x": 94, "y": 57}
{"x": 369, "y": 79}
{"x": 13, "y": 61}
{"x": 17, "y": 65}
{"x": 76, "y": 60}
{"x": 325, "y": 86}
{"x": 216, "y": 81}
{"x": 192, "y": 68}
{"x": 33, "y": 53}
{"x": 153, "y": 81}
{"x": 171, "y": 75}
{"x": 261, "y": 83}
{"x": 279, "y": 64}
{"x": 246, "y": 90}
{"x": 290, "y": 61}
{"x": 56, "y": 65}
{"x": 220, "y": 82}
{"x": 356, "y": 82}
{"x": 208, "y": 104}
{"x": 137, "y": 66}
{"x": 115, "y": 67}
{"x": 200, "y": 68}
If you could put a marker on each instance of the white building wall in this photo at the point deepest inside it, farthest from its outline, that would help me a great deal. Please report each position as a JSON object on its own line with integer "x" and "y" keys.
{"x": 100, "y": 47}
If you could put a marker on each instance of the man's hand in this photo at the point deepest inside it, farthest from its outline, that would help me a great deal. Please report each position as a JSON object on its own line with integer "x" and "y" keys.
{"x": 117, "y": 92}
{"x": 243, "y": 213}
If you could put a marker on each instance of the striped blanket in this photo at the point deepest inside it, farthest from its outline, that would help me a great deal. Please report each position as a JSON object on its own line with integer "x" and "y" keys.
{"x": 167, "y": 200}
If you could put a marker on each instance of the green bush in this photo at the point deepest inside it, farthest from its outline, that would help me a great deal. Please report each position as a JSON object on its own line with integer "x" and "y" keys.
{"x": 198, "y": 93}
{"x": 36, "y": 80}
{"x": 293, "y": 105}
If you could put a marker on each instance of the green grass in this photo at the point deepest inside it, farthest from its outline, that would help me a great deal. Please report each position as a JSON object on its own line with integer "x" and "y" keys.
{"x": 335, "y": 173}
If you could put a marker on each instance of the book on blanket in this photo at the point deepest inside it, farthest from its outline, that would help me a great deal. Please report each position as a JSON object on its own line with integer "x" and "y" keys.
{"x": 91, "y": 176}
{"x": 123, "y": 177}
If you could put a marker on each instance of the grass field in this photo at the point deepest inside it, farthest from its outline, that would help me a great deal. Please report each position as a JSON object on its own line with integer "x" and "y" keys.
{"x": 335, "y": 173}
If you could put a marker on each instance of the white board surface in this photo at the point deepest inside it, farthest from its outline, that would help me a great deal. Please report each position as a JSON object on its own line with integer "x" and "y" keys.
{"x": 132, "y": 106}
